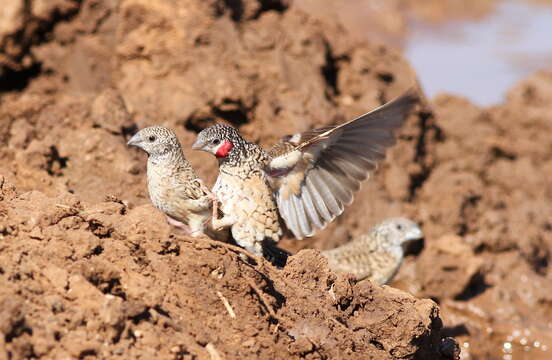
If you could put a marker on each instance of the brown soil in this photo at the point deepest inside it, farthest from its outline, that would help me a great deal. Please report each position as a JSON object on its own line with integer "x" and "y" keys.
{"x": 88, "y": 269}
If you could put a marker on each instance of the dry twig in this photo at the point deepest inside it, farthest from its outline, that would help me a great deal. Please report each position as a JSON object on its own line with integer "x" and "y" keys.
{"x": 263, "y": 300}
{"x": 226, "y": 305}
{"x": 213, "y": 352}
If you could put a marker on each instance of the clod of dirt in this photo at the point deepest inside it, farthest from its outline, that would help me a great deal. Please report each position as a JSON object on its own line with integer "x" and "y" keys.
{"x": 448, "y": 267}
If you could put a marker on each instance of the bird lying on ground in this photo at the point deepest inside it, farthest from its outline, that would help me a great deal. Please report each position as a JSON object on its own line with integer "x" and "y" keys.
{"x": 306, "y": 179}
{"x": 376, "y": 255}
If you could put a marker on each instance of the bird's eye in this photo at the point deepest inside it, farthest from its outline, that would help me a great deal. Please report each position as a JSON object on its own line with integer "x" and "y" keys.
{"x": 151, "y": 138}
{"x": 399, "y": 227}
{"x": 216, "y": 141}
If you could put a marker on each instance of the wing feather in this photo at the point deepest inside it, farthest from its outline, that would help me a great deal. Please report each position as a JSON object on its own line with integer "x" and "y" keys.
{"x": 315, "y": 174}
{"x": 310, "y": 208}
{"x": 354, "y": 170}
{"x": 290, "y": 215}
{"x": 341, "y": 193}
{"x": 338, "y": 176}
{"x": 323, "y": 189}
{"x": 304, "y": 224}
{"x": 321, "y": 206}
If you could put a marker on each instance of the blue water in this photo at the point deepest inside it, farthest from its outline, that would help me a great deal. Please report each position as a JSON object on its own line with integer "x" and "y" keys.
{"x": 482, "y": 59}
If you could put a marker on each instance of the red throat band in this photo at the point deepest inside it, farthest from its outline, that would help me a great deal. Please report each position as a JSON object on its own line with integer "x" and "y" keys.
{"x": 224, "y": 149}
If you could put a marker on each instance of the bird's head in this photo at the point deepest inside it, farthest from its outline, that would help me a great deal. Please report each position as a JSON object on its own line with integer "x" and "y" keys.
{"x": 155, "y": 140}
{"x": 220, "y": 140}
{"x": 400, "y": 231}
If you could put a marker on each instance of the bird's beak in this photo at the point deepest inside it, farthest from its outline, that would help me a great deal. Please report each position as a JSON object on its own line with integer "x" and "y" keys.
{"x": 198, "y": 145}
{"x": 414, "y": 234}
{"x": 135, "y": 140}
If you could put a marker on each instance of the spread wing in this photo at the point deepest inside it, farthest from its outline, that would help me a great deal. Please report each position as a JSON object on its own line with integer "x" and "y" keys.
{"x": 315, "y": 174}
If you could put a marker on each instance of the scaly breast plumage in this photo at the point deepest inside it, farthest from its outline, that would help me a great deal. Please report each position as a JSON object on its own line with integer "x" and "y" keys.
{"x": 174, "y": 198}
{"x": 250, "y": 202}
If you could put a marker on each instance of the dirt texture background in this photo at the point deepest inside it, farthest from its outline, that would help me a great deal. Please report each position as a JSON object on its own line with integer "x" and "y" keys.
{"x": 89, "y": 269}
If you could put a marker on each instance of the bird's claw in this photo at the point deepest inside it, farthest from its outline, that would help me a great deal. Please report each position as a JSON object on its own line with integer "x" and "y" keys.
{"x": 216, "y": 225}
{"x": 179, "y": 225}
{"x": 215, "y": 208}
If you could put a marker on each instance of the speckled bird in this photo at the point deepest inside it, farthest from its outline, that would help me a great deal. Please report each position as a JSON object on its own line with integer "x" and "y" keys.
{"x": 173, "y": 186}
{"x": 306, "y": 179}
{"x": 376, "y": 255}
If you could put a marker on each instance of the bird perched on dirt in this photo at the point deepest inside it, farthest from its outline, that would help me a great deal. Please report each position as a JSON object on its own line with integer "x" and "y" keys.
{"x": 173, "y": 186}
{"x": 307, "y": 178}
{"x": 376, "y": 255}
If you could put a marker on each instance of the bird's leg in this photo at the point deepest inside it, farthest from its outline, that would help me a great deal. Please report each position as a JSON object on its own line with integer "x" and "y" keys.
{"x": 177, "y": 224}
{"x": 198, "y": 234}
{"x": 219, "y": 224}
{"x": 214, "y": 202}
{"x": 211, "y": 195}
{"x": 223, "y": 222}
{"x": 215, "y": 208}
{"x": 216, "y": 223}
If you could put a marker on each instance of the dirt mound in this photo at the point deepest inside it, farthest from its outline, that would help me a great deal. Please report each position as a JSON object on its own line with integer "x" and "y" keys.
{"x": 101, "y": 280}
{"x": 89, "y": 269}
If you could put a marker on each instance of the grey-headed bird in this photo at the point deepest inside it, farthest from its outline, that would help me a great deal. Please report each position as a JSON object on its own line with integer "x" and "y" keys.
{"x": 173, "y": 185}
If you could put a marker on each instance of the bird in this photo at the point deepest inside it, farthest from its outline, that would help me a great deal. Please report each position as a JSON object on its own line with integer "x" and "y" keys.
{"x": 173, "y": 185}
{"x": 306, "y": 179}
{"x": 377, "y": 254}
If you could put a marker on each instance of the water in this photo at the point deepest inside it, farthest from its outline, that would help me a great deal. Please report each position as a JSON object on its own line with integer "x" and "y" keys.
{"x": 482, "y": 59}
